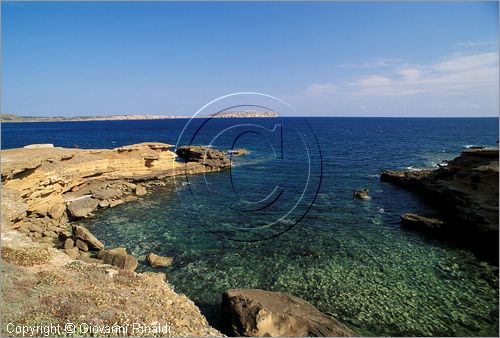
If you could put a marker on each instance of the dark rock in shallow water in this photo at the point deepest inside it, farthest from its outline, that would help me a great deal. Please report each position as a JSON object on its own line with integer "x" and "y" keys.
{"x": 362, "y": 194}
{"x": 257, "y": 313}
{"x": 207, "y": 156}
{"x": 419, "y": 222}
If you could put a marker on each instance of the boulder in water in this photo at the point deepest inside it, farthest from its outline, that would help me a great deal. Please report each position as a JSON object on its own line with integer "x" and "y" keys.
{"x": 362, "y": 194}
{"x": 258, "y": 313}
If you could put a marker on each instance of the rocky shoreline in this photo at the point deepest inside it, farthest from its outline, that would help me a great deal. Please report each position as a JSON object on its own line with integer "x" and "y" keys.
{"x": 44, "y": 188}
{"x": 58, "y": 271}
{"x": 464, "y": 191}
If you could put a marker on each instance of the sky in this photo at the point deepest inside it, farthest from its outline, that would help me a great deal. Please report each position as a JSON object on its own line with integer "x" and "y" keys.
{"x": 323, "y": 58}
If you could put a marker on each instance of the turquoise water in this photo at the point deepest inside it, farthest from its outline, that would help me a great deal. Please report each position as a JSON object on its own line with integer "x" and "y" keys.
{"x": 347, "y": 257}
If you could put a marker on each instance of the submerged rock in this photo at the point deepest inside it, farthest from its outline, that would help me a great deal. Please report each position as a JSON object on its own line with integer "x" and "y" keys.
{"x": 257, "y": 313}
{"x": 419, "y": 222}
{"x": 158, "y": 261}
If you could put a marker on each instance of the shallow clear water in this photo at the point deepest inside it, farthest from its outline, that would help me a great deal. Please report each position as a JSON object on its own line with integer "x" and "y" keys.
{"x": 347, "y": 257}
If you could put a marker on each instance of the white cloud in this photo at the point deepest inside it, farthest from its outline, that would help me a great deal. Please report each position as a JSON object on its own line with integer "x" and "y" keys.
{"x": 374, "y": 81}
{"x": 321, "y": 89}
{"x": 410, "y": 74}
{"x": 476, "y": 44}
{"x": 374, "y": 63}
{"x": 467, "y": 62}
{"x": 457, "y": 74}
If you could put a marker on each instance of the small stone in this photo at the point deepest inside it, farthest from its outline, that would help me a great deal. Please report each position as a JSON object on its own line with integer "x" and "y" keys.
{"x": 47, "y": 239}
{"x": 362, "y": 194}
{"x": 104, "y": 204}
{"x": 50, "y": 234}
{"x": 72, "y": 253}
{"x": 140, "y": 191}
{"x": 23, "y": 229}
{"x": 35, "y": 228}
{"x": 82, "y": 245}
{"x": 113, "y": 204}
{"x": 69, "y": 243}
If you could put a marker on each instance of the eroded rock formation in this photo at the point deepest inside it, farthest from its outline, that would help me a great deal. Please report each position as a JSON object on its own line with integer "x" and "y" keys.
{"x": 465, "y": 192}
{"x": 258, "y": 313}
{"x": 44, "y": 187}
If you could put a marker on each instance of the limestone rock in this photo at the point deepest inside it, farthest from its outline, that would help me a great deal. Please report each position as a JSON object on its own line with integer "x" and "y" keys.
{"x": 35, "y": 228}
{"x": 81, "y": 245}
{"x": 140, "y": 191}
{"x": 104, "y": 193}
{"x": 113, "y": 204}
{"x": 50, "y": 234}
{"x": 39, "y": 146}
{"x": 158, "y": 261}
{"x": 69, "y": 243}
{"x": 82, "y": 207}
{"x": 104, "y": 204}
{"x": 84, "y": 235}
{"x": 122, "y": 261}
{"x": 57, "y": 210}
{"x": 258, "y": 313}
{"x": 72, "y": 253}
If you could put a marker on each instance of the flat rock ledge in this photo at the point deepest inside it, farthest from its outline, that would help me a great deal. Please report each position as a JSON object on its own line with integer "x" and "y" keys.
{"x": 45, "y": 187}
{"x": 260, "y": 313}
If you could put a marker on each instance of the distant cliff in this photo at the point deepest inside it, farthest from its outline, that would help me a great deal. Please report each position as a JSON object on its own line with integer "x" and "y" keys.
{"x": 245, "y": 114}
{"x": 18, "y": 118}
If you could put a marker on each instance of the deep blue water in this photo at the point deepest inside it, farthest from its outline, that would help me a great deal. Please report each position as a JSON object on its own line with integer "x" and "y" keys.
{"x": 348, "y": 257}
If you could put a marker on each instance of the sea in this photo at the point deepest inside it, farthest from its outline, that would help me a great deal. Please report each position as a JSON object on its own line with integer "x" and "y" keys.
{"x": 284, "y": 217}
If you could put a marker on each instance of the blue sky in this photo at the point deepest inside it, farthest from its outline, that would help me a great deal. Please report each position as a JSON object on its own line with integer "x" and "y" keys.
{"x": 334, "y": 59}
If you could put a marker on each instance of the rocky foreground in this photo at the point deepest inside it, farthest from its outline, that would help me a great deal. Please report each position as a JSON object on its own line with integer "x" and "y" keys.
{"x": 54, "y": 271}
{"x": 465, "y": 192}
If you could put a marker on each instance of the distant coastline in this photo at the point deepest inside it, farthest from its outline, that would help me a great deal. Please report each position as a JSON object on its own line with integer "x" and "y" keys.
{"x": 240, "y": 114}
